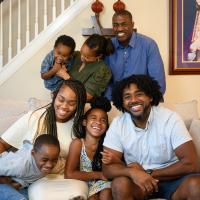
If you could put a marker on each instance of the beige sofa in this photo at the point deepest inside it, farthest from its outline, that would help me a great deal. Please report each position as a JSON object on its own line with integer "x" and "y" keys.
{"x": 10, "y": 111}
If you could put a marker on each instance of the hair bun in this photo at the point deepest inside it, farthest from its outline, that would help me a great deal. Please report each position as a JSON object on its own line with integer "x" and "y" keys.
{"x": 101, "y": 102}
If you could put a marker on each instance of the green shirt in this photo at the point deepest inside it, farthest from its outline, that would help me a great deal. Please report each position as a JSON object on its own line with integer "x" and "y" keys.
{"x": 95, "y": 76}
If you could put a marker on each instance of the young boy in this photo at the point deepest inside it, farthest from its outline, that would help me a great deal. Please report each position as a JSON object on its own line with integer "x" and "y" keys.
{"x": 28, "y": 164}
{"x": 57, "y": 62}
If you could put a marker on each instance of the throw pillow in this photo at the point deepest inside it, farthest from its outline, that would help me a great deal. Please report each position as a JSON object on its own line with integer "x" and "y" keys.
{"x": 195, "y": 133}
{"x": 187, "y": 110}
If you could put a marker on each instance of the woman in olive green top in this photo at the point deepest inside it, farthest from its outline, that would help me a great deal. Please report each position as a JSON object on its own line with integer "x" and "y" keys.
{"x": 89, "y": 66}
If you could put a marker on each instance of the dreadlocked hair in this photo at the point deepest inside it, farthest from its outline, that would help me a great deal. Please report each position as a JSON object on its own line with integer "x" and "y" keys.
{"x": 41, "y": 126}
{"x": 50, "y": 121}
{"x": 144, "y": 83}
{"x": 49, "y": 117}
{"x": 103, "y": 104}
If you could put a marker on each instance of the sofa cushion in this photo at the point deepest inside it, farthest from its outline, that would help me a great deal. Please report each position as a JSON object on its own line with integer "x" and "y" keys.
{"x": 10, "y": 111}
{"x": 12, "y": 108}
{"x": 34, "y": 103}
{"x": 195, "y": 133}
{"x": 187, "y": 110}
{"x": 6, "y": 122}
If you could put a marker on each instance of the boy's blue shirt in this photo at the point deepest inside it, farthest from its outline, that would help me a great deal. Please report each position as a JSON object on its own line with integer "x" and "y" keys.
{"x": 20, "y": 165}
{"x": 48, "y": 62}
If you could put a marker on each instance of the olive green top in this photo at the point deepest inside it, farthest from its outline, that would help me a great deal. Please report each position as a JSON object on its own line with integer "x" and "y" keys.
{"x": 95, "y": 76}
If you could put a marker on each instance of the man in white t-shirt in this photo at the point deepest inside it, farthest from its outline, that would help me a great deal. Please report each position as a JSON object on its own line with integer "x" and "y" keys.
{"x": 160, "y": 157}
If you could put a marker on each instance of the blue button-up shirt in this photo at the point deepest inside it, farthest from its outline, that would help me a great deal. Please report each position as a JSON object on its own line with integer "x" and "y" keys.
{"x": 142, "y": 56}
{"x": 48, "y": 62}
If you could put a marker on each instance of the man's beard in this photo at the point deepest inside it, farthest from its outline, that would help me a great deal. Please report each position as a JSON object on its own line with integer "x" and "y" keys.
{"x": 142, "y": 116}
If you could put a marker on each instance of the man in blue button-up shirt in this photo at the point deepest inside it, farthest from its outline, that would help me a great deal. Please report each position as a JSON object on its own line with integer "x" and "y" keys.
{"x": 134, "y": 53}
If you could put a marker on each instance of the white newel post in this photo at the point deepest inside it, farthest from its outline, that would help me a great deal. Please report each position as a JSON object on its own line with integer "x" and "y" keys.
{"x": 36, "y": 18}
{"x": 62, "y": 6}
{"x": 27, "y": 23}
{"x": 45, "y": 14}
{"x": 54, "y": 10}
{"x": 10, "y": 32}
{"x": 19, "y": 27}
{"x": 1, "y": 36}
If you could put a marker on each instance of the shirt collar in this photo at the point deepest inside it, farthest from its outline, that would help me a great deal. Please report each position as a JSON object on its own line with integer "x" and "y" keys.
{"x": 132, "y": 41}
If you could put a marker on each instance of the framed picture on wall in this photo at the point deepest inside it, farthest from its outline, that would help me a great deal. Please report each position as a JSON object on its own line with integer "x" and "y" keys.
{"x": 184, "y": 37}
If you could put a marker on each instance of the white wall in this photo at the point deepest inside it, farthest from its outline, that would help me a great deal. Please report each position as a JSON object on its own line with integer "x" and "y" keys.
{"x": 151, "y": 18}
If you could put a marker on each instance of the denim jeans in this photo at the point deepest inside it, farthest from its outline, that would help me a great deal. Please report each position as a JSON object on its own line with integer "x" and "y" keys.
{"x": 9, "y": 193}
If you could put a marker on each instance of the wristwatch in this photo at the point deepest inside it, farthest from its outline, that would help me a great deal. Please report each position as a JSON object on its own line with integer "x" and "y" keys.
{"x": 149, "y": 171}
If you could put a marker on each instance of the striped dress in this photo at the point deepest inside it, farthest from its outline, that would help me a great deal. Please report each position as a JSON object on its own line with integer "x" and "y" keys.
{"x": 86, "y": 166}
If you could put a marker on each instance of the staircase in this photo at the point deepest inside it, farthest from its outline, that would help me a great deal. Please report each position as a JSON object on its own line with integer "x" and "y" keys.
{"x": 27, "y": 25}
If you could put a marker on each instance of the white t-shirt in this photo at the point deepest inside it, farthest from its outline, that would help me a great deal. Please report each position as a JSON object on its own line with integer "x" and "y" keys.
{"x": 152, "y": 147}
{"x": 25, "y": 129}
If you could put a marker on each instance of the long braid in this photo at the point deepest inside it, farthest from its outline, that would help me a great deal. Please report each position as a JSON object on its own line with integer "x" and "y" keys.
{"x": 51, "y": 121}
{"x": 50, "y": 118}
{"x": 96, "y": 162}
{"x": 80, "y": 92}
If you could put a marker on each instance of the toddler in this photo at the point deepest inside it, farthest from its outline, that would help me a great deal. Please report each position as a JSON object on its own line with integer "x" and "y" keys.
{"x": 55, "y": 66}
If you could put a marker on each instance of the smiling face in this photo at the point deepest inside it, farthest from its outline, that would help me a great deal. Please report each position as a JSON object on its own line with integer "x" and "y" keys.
{"x": 96, "y": 122}
{"x": 65, "y": 104}
{"x": 62, "y": 52}
{"x": 88, "y": 55}
{"x": 46, "y": 158}
{"x": 123, "y": 28}
{"x": 137, "y": 103}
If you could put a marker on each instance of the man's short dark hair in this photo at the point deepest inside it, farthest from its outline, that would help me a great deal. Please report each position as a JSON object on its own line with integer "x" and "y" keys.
{"x": 45, "y": 139}
{"x": 67, "y": 41}
{"x": 144, "y": 83}
{"x": 123, "y": 13}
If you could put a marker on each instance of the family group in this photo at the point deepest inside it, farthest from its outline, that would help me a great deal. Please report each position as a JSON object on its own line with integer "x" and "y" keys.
{"x": 64, "y": 151}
